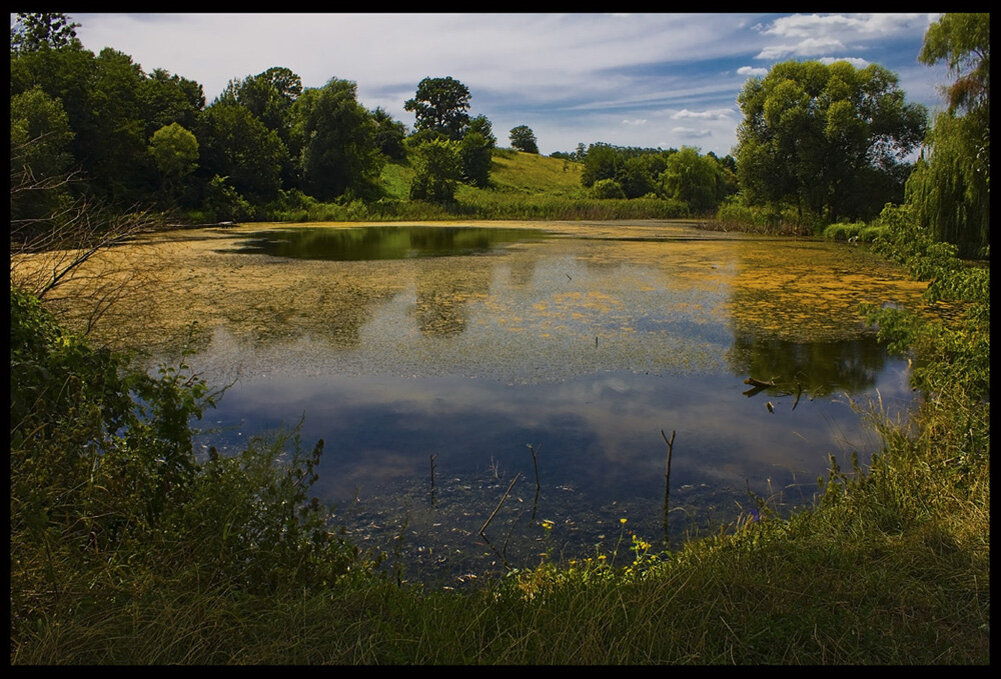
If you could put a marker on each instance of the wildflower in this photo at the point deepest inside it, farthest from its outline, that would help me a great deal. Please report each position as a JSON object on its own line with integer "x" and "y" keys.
{"x": 622, "y": 520}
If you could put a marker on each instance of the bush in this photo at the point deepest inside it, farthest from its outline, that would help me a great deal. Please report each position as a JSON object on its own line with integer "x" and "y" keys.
{"x": 607, "y": 188}
{"x": 108, "y": 497}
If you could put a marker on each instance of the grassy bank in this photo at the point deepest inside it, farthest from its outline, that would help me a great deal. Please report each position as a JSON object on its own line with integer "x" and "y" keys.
{"x": 124, "y": 549}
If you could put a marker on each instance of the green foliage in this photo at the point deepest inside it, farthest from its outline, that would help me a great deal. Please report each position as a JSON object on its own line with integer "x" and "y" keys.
{"x": 440, "y": 105}
{"x": 954, "y": 354}
{"x": 34, "y": 31}
{"x": 950, "y": 189}
{"x": 607, "y": 188}
{"x": 337, "y": 138}
{"x": 174, "y": 150}
{"x": 438, "y": 169}
{"x": 389, "y": 135}
{"x": 222, "y": 202}
{"x": 523, "y": 139}
{"x": 475, "y": 158}
{"x": 816, "y": 136}
{"x": 481, "y": 125}
{"x": 964, "y": 42}
{"x": 236, "y": 145}
{"x": 696, "y": 180}
{"x": 41, "y": 160}
{"x": 108, "y": 497}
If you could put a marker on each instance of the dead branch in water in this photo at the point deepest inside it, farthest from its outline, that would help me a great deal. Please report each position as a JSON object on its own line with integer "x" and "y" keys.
{"x": 497, "y": 508}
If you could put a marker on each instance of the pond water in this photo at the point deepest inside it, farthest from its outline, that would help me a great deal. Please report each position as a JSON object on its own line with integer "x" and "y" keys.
{"x": 444, "y": 365}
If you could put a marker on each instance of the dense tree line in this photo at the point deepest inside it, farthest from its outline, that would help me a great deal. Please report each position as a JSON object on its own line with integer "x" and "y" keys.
{"x": 128, "y": 137}
{"x": 699, "y": 181}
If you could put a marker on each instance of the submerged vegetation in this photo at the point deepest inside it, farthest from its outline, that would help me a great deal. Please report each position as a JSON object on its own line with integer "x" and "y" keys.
{"x": 128, "y": 548}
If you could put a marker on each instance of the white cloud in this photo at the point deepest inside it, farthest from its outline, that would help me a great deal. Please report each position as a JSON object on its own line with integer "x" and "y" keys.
{"x": 857, "y": 62}
{"x": 691, "y": 132}
{"x": 713, "y": 114}
{"x": 809, "y": 47}
{"x": 752, "y": 71}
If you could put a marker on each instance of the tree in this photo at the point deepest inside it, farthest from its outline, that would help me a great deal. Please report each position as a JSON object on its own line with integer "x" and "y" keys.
{"x": 523, "y": 139}
{"x": 693, "y": 179}
{"x": 438, "y": 170}
{"x": 236, "y": 145}
{"x": 175, "y": 152}
{"x": 42, "y": 30}
{"x": 475, "y": 159}
{"x": 813, "y": 135}
{"x": 335, "y": 138}
{"x": 40, "y": 161}
{"x": 481, "y": 124}
{"x": 389, "y": 135}
{"x": 950, "y": 189}
{"x": 440, "y": 105}
{"x": 269, "y": 96}
{"x": 168, "y": 98}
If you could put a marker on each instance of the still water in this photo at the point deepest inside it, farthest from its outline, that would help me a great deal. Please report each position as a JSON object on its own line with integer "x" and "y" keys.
{"x": 445, "y": 365}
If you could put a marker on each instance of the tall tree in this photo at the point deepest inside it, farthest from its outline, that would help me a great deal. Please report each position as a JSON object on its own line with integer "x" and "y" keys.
{"x": 950, "y": 187}
{"x": 813, "y": 136}
{"x": 523, "y": 139}
{"x": 440, "y": 105}
{"x": 336, "y": 139}
{"x": 234, "y": 144}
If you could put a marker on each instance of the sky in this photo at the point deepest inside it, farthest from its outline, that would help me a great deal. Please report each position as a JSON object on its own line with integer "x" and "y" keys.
{"x": 646, "y": 80}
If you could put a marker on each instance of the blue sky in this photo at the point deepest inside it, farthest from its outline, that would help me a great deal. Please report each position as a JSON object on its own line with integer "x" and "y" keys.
{"x": 650, "y": 80}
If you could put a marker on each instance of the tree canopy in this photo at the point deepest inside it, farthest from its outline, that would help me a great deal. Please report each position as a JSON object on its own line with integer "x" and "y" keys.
{"x": 821, "y": 137}
{"x": 950, "y": 187}
{"x": 523, "y": 139}
{"x": 441, "y": 105}
{"x": 41, "y": 30}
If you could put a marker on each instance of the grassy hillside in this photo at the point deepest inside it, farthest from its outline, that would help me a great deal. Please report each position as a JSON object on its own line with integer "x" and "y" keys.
{"x": 522, "y": 186}
{"x": 511, "y": 172}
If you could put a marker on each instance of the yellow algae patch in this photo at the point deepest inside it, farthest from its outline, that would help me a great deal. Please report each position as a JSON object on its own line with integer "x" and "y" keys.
{"x": 670, "y": 298}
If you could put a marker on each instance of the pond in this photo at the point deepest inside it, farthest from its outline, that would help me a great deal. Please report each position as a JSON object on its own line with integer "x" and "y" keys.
{"x": 473, "y": 380}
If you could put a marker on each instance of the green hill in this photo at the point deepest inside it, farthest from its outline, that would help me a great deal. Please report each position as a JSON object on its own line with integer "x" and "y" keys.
{"x": 511, "y": 172}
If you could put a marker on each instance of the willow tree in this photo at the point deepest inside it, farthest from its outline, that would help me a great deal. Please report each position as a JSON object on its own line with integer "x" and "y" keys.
{"x": 950, "y": 187}
{"x": 827, "y": 139}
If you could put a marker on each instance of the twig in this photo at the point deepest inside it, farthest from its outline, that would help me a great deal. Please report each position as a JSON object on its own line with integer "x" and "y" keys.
{"x": 432, "y": 479}
{"x": 497, "y": 508}
{"x": 538, "y": 486}
{"x": 667, "y": 481}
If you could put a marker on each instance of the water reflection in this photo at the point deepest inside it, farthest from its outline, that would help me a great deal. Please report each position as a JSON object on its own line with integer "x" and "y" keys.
{"x": 379, "y": 243}
{"x": 401, "y": 343}
{"x": 819, "y": 368}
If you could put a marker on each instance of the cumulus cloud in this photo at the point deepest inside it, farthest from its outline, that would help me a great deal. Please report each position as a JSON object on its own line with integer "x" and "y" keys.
{"x": 751, "y": 70}
{"x": 857, "y": 62}
{"x": 809, "y": 47}
{"x": 847, "y": 26}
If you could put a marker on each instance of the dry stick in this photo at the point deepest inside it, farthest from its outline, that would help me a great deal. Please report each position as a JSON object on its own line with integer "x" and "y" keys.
{"x": 538, "y": 486}
{"x": 497, "y": 508}
{"x": 432, "y": 478}
{"x": 667, "y": 482}
{"x": 799, "y": 391}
